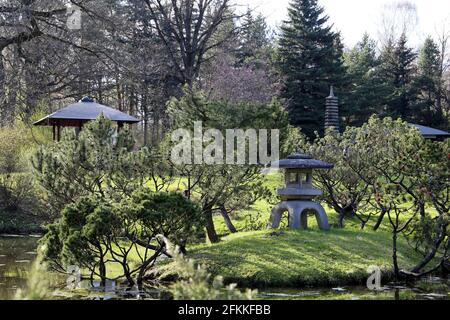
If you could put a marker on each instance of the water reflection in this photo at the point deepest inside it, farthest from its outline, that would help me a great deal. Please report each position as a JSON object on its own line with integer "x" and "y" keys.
{"x": 16, "y": 255}
{"x": 432, "y": 288}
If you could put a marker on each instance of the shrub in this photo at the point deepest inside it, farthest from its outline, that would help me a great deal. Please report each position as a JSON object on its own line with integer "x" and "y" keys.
{"x": 94, "y": 234}
{"x": 168, "y": 214}
{"x": 98, "y": 163}
{"x": 17, "y": 188}
{"x": 196, "y": 283}
{"x": 81, "y": 236}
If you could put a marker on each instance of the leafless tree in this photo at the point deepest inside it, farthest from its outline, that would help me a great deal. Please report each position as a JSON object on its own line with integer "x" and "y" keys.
{"x": 443, "y": 94}
{"x": 187, "y": 29}
{"x": 397, "y": 18}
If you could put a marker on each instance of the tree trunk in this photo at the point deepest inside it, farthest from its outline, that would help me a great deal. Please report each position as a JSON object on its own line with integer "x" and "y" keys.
{"x": 344, "y": 212}
{"x": 102, "y": 272}
{"x": 340, "y": 222}
{"x": 432, "y": 253}
{"x": 210, "y": 229}
{"x": 394, "y": 256}
{"x": 145, "y": 130}
{"x": 379, "y": 220}
{"x": 126, "y": 271}
{"x": 227, "y": 220}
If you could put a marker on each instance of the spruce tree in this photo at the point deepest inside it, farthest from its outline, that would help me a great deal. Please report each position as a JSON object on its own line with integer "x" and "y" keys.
{"x": 398, "y": 74}
{"x": 309, "y": 60}
{"x": 428, "y": 84}
{"x": 366, "y": 87}
{"x": 254, "y": 40}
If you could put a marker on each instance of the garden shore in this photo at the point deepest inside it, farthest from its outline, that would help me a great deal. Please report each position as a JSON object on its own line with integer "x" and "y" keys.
{"x": 21, "y": 223}
{"x": 339, "y": 257}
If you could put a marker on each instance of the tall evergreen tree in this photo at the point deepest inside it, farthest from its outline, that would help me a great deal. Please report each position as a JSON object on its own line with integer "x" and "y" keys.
{"x": 365, "y": 84}
{"x": 428, "y": 110}
{"x": 397, "y": 71}
{"x": 253, "y": 41}
{"x": 310, "y": 60}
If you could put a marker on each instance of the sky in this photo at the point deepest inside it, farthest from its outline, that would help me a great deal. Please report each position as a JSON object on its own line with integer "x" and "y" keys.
{"x": 354, "y": 17}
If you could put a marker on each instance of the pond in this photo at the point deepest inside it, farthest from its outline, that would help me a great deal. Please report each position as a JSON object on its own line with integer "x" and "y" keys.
{"x": 17, "y": 254}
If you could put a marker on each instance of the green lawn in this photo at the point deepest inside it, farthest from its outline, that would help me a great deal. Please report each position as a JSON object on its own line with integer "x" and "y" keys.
{"x": 303, "y": 257}
{"x": 298, "y": 258}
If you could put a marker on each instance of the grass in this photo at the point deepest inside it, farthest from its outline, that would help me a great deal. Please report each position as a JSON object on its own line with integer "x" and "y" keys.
{"x": 301, "y": 257}
{"x": 293, "y": 258}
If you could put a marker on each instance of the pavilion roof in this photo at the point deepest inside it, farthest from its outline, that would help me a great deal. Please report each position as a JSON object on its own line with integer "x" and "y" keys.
{"x": 84, "y": 110}
{"x": 428, "y": 132}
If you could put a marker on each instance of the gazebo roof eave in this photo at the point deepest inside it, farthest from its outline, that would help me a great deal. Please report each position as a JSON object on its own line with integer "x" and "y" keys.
{"x": 46, "y": 121}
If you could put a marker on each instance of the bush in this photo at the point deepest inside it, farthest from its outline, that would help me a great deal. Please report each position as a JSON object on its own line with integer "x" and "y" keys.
{"x": 17, "y": 189}
{"x": 196, "y": 283}
{"x": 98, "y": 163}
{"x": 13, "y": 145}
{"x": 81, "y": 236}
{"x": 168, "y": 214}
{"x": 96, "y": 235}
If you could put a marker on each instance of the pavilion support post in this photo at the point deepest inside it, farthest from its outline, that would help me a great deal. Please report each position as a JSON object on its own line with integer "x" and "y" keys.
{"x": 54, "y": 132}
{"x": 119, "y": 126}
{"x": 58, "y": 133}
{"x": 78, "y": 129}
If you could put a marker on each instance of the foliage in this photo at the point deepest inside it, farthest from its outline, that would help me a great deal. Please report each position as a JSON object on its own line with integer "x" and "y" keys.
{"x": 168, "y": 214}
{"x": 254, "y": 40}
{"x": 342, "y": 186}
{"x": 99, "y": 163}
{"x": 309, "y": 59}
{"x": 13, "y": 143}
{"x": 428, "y": 82}
{"x": 38, "y": 283}
{"x": 178, "y": 42}
{"x": 94, "y": 234}
{"x": 242, "y": 84}
{"x": 366, "y": 90}
{"x": 387, "y": 166}
{"x": 397, "y": 70}
{"x": 196, "y": 283}
{"x": 81, "y": 236}
{"x": 227, "y": 187}
{"x": 17, "y": 189}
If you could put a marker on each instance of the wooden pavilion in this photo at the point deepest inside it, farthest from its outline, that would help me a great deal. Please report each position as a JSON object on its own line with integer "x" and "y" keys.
{"x": 77, "y": 114}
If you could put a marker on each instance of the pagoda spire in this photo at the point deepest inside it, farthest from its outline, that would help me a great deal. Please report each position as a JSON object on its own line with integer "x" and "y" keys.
{"x": 332, "y": 112}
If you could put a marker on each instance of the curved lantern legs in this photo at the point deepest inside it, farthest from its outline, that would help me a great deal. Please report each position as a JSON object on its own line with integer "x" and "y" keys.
{"x": 298, "y": 217}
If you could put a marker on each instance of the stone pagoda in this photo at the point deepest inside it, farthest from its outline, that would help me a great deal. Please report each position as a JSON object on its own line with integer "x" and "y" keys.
{"x": 332, "y": 112}
{"x": 298, "y": 193}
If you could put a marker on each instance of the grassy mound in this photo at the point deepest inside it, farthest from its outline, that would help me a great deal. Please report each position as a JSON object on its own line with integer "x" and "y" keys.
{"x": 302, "y": 258}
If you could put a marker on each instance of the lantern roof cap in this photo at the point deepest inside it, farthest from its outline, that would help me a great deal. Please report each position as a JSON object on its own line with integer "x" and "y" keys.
{"x": 300, "y": 161}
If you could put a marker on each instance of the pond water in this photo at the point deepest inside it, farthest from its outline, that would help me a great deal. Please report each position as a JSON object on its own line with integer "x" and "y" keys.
{"x": 17, "y": 254}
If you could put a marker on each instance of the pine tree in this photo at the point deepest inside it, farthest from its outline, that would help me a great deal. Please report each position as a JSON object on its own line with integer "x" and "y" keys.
{"x": 428, "y": 82}
{"x": 398, "y": 75}
{"x": 366, "y": 87}
{"x": 310, "y": 60}
{"x": 254, "y": 40}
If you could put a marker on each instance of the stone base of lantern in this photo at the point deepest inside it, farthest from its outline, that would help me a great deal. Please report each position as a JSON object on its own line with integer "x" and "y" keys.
{"x": 298, "y": 218}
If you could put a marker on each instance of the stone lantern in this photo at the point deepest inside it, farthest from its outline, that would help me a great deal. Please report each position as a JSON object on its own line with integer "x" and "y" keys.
{"x": 298, "y": 192}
